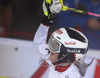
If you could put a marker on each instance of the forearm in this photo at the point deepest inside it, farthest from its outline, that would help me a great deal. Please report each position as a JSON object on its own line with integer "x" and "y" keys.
{"x": 41, "y": 34}
{"x": 39, "y": 42}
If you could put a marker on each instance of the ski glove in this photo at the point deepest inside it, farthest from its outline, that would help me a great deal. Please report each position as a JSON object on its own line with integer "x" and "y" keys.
{"x": 50, "y": 8}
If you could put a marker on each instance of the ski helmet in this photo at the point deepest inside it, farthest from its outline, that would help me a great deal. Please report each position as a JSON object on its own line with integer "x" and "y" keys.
{"x": 70, "y": 43}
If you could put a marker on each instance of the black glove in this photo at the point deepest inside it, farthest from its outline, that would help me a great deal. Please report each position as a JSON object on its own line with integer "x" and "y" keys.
{"x": 50, "y": 8}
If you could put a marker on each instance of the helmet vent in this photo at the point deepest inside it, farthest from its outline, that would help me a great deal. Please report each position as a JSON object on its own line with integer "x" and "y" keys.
{"x": 75, "y": 35}
{"x": 58, "y": 37}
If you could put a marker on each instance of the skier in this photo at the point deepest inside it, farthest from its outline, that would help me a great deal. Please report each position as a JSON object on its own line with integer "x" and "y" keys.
{"x": 66, "y": 48}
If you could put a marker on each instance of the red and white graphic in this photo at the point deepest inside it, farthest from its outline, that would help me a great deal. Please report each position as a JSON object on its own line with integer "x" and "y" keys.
{"x": 59, "y": 31}
{"x": 70, "y": 43}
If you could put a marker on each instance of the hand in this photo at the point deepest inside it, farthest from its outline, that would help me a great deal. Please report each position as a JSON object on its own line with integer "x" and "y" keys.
{"x": 54, "y": 6}
{"x": 50, "y": 8}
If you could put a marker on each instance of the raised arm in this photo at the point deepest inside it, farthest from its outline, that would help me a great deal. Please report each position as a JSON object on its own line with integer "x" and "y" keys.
{"x": 40, "y": 39}
{"x": 50, "y": 8}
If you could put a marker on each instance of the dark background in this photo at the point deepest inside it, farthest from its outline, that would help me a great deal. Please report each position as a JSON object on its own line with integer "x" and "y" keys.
{"x": 19, "y": 19}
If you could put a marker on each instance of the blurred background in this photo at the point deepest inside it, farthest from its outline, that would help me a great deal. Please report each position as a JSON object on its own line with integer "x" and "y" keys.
{"x": 19, "y": 19}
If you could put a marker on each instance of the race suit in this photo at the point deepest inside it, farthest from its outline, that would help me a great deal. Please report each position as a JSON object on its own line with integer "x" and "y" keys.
{"x": 40, "y": 46}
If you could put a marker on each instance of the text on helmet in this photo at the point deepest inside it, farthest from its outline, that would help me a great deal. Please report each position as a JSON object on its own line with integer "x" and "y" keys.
{"x": 73, "y": 50}
{"x": 70, "y": 43}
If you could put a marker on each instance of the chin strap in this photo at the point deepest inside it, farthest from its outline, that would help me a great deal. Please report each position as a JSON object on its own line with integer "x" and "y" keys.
{"x": 59, "y": 60}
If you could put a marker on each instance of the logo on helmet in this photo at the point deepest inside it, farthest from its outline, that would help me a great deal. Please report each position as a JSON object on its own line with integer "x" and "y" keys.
{"x": 59, "y": 31}
{"x": 70, "y": 43}
{"x": 73, "y": 50}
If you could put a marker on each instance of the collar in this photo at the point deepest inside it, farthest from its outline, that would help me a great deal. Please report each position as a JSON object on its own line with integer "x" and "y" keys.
{"x": 62, "y": 68}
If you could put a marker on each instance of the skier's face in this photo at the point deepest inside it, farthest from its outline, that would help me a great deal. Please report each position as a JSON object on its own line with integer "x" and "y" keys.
{"x": 53, "y": 56}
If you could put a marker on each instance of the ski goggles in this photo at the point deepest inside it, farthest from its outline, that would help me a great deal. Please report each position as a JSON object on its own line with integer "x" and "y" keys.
{"x": 54, "y": 45}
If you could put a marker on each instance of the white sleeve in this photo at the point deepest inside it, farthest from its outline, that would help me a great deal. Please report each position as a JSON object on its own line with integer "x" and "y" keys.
{"x": 39, "y": 42}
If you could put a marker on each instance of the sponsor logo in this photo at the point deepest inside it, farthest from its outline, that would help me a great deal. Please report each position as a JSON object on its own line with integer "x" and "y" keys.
{"x": 70, "y": 43}
{"x": 74, "y": 50}
{"x": 59, "y": 31}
